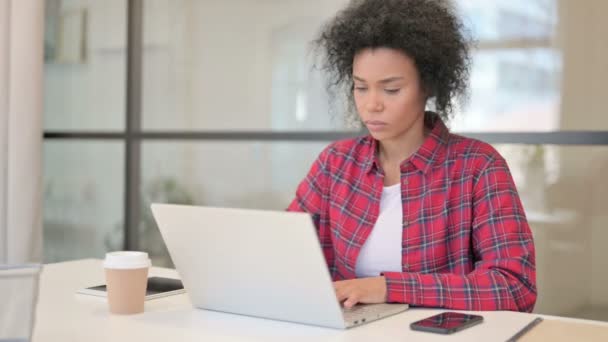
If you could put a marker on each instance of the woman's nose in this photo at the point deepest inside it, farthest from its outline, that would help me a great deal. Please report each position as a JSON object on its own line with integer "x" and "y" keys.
{"x": 374, "y": 103}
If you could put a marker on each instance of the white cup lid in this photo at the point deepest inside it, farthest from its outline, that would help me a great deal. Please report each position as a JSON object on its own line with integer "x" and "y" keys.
{"x": 126, "y": 260}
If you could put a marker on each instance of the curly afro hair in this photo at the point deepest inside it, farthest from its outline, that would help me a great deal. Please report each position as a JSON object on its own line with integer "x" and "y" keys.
{"x": 428, "y": 31}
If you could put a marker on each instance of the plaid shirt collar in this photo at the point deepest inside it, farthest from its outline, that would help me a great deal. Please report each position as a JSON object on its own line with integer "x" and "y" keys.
{"x": 432, "y": 151}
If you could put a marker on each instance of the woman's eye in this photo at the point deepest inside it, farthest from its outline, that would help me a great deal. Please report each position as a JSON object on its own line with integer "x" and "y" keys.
{"x": 360, "y": 89}
{"x": 392, "y": 91}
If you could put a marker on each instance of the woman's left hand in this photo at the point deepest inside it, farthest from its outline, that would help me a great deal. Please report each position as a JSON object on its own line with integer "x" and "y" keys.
{"x": 361, "y": 290}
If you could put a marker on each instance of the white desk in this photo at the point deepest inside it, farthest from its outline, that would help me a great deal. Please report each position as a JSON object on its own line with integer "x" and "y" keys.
{"x": 63, "y": 315}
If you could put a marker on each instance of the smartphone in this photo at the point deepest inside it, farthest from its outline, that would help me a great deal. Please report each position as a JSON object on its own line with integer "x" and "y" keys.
{"x": 446, "y": 323}
{"x": 157, "y": 287}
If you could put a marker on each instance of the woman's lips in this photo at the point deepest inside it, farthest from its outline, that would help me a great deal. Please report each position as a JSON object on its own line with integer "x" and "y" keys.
{"x": 375, "y": 125}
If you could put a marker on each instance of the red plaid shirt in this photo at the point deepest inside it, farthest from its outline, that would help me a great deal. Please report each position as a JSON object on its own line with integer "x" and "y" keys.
{"x": 466, "y": 242}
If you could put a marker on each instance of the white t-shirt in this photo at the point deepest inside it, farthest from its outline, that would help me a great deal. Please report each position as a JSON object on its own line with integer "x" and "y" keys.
{"x": 382, "y": 250}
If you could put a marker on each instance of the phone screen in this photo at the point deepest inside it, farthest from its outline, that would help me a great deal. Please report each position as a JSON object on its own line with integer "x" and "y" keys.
{"x": 446, "y": 322}
{"x": 155, "y": 285}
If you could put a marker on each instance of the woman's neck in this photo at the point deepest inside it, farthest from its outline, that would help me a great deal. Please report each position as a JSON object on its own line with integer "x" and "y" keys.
{"x": 392, "y": 152}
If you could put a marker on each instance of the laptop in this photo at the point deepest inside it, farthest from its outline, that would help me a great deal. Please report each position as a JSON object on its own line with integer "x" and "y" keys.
{"x": 265, "y": 264}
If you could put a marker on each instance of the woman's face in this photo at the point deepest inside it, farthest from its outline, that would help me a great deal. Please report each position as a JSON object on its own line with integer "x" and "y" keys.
{"x": 388, "y": 93}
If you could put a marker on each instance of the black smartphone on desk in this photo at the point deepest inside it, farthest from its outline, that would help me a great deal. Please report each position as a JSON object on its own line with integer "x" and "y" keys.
{"x": 157, "y": 287}
{"x": 446, "y": 323}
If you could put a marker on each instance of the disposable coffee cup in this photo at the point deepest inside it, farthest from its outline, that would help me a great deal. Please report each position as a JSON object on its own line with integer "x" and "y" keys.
{"x": 126, "y": 281}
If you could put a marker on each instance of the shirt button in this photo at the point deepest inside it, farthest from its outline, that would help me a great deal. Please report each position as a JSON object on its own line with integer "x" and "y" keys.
{"x": 405, "y": 223}
{"x": 405, "y": 182}
{"x": 406, "y": 266}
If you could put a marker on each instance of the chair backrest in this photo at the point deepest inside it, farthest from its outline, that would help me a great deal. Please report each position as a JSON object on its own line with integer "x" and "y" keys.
{"x": 18, "y": 298}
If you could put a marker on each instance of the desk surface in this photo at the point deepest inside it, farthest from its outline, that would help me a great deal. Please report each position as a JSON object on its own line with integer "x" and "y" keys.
{"x": 63, "y": 315}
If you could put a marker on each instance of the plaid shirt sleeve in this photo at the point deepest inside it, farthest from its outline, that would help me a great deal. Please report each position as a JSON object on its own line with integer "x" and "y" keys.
{"x": 504, "y": 275}
{"x": 312, "y": 196}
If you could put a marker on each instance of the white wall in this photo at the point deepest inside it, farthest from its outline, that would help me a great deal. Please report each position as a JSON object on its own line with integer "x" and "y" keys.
{"x": 572, "y": 252}
{"x": 21, "y": 33}
{"x": 585, "y": 74}
{"x": 4, "y": 102}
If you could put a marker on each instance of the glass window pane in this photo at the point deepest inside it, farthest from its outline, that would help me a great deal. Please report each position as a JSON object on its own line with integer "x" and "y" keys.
{"x": 567, "y": 211}
{"x": 85, "y": 65}
{"x": 513, "y": 90}
{"x": 503, "y": 20}
{"x": 539, "y": 66}
{"x": 234, "y": 65}
{"x": 83, "y": 199}
{"x": 516, "y": 76}
{"x": 212, "y": 173}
